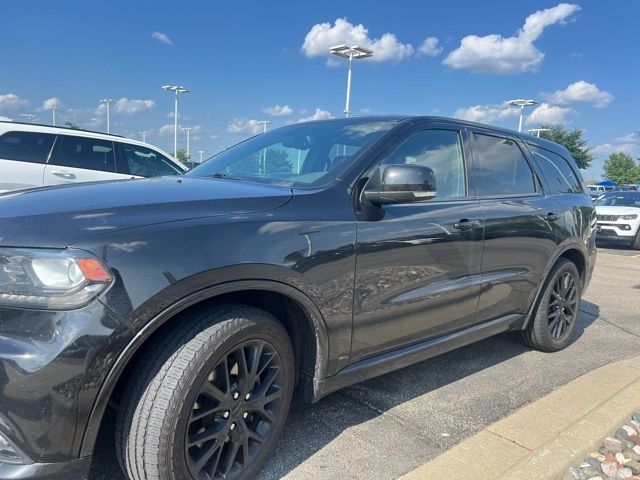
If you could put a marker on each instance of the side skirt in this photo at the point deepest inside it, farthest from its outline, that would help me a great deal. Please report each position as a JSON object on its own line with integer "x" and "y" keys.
{"x": 387, "y": 362}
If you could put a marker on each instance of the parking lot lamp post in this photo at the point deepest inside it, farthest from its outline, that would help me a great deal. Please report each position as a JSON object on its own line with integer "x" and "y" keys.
{"x": 200, "y": 152}
{"x": 521, "y": 102}
{"x": 188, "y": 130}
{"x": 264, "y": 124}
{"x": 350, "y": 53}
{"x": 53, "y": 115}
{"x": 538, "y": 131}
{"x": 28, "y": 116}
{"x": 144, "y": 136}
{"x": 177, "y": 89}
{"x": 107, "y": 102}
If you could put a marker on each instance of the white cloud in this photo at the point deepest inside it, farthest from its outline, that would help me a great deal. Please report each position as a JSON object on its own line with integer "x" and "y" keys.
{"x": 487, "y": 113}
{"x": 629, "y": 144}
{"x": 323, "y": 36}
{"x": 319, "y": 114}
{"x": 162, "y": 38}
{"x": 51, "y": 103}
{"x": 127, "y": 107}
{"x": 497, "y": 54}
{"x": 430, "y": 47}
{"x": 278, "y": 111}
{"x": 580, "y": 92}
{"x": 11, "y": 101}
{"x": 546, "y": 113}
{"x": 241, "y": 125}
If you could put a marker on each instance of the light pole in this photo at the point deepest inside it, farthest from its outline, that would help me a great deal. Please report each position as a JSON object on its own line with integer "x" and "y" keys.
{"x": 521, "y": 102}
{"x": 188, "y": 130}
{"x": 53, "y": 115}
{"x": 107, "y": 102}
{"x": 28, "y": 116}
{"x": 537, "y": 131}
{"x": 144, "y": 136}
{"x": 264, "y": 124}
{"x": 177, "y": 89}
{"x": 200, "y": 152}
{"x": 351, "y": 53}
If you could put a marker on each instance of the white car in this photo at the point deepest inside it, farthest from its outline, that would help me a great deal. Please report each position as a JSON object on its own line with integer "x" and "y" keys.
{"x": 39, "y": 155}
{"x": 619, "y": 217}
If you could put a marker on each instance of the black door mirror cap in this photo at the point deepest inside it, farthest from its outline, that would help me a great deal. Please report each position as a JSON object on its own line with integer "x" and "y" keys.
{"x": 401, "y": 184}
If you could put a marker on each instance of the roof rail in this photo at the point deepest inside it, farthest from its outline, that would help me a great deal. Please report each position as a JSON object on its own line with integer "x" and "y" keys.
{"x": 64, "y": 128}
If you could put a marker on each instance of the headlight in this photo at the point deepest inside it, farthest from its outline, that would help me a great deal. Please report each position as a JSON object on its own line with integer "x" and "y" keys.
{"x": 50, "y": 279}
{"x": 629, "y": 217}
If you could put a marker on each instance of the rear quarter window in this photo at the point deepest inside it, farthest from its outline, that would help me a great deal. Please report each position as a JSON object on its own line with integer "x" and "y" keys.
{"x": 557, "y": 170}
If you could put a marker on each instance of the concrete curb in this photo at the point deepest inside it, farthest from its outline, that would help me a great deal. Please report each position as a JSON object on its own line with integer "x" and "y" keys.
{"x": 542, "y": 440}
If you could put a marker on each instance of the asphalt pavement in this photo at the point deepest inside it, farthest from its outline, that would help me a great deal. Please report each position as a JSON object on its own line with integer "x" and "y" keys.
{"x": 389, "y": 425}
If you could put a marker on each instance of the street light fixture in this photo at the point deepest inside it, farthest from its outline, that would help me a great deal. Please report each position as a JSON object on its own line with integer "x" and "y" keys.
{"x": 351, "y": 53}
{"x": 28, "y": 116}
{"x": 177, "y": 89}
{"x": 264, "y": 124}
{"x": 144, "y": 136}
{"x": 107, "y": 102}
{"x": 188, "y": 130}
{"x": 521, "y": 102}
{"x": 537, "y": 131}
{"x": 53, "y": 114}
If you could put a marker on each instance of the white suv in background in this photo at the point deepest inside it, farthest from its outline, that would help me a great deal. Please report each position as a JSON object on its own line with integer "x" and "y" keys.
{"x": 39, "y": 155}
{"x": 619, "y": 217}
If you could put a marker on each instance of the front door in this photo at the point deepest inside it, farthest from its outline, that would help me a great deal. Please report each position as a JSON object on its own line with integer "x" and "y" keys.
{"x": 418, "y": 264}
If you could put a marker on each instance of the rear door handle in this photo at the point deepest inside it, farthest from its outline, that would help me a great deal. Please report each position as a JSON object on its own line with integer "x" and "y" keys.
{"x": 63, "y": 174}
{"x": 466, "y": 224}
{"x": 552, "y": 217}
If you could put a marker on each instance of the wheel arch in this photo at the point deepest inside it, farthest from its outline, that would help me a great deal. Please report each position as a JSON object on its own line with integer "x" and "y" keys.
{"x": 268, "y": 290}
{"x": 571, "y": 251}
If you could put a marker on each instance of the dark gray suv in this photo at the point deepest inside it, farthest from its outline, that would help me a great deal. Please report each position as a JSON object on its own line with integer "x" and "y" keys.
{"x": 307, "y": 258}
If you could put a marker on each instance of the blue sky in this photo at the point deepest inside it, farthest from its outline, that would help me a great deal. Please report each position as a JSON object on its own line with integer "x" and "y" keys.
{"x": 250, "y": 61}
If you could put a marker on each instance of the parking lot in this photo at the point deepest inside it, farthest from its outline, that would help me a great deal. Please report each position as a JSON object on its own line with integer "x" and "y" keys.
{"x": 387, "y": 426}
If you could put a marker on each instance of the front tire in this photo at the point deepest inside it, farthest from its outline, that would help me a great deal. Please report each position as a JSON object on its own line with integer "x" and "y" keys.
{"x": 210, "y": 398}
{"x": 554, "y": 322}
{"x": 636, "y": 242}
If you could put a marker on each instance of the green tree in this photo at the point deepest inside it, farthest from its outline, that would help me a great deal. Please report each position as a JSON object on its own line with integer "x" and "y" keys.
{"x": 71, "y": 125}
{"x": 572, "y": 140}
{"x": 621, "y": 168}
{"x": 182, "y": 156}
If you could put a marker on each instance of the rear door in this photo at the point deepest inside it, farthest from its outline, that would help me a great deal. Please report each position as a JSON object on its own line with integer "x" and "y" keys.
{"x": 522, "y": 225}
{"x": 81, "y": 159}
{"x": 22, "y": 159}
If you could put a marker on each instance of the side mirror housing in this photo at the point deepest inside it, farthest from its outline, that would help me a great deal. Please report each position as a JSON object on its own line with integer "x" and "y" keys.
{"x": 400, "y": 184}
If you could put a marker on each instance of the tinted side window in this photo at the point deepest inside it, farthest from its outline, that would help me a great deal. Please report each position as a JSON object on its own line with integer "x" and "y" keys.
{"x": 441, "y": 150}
{"x": 501, "y": 167}
{"x": 81, "y": 152}
{"x": 144, "y": 162}
{"x": 29, "y": 147}
{"x": 562, "y": 178}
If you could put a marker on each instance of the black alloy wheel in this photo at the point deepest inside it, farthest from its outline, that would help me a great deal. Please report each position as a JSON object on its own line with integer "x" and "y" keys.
{"x": 235, "y": 409}
{"x": 562, "y": 305}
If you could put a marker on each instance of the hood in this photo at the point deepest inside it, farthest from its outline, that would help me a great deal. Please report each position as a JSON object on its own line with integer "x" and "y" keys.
{"x": 616, "y": 210}
{"x": 60, "y": 216}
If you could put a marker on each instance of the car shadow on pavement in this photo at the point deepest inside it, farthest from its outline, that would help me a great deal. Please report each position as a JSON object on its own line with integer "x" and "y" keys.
{"x": 312, "y": 428}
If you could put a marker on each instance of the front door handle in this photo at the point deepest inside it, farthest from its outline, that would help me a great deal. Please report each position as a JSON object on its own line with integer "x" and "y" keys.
{"x": 466, "y": 224}
{"x": 552, "y": 217}
{"x": 63, "y": 174}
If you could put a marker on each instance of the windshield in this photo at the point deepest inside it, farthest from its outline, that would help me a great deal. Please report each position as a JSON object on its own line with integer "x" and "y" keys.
{"x": 619, "y": 199}
{"x": 306, "y": 154}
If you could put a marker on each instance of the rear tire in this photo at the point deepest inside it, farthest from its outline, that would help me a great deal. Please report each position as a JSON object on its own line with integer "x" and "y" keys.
{"x": 554, "y": 321}
{"x": 228, "y": 365}
{"x": 636, "y": 242}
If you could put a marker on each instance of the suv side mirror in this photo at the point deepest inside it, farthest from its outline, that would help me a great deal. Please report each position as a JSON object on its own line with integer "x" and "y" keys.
{"x": 400, "y": 184}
